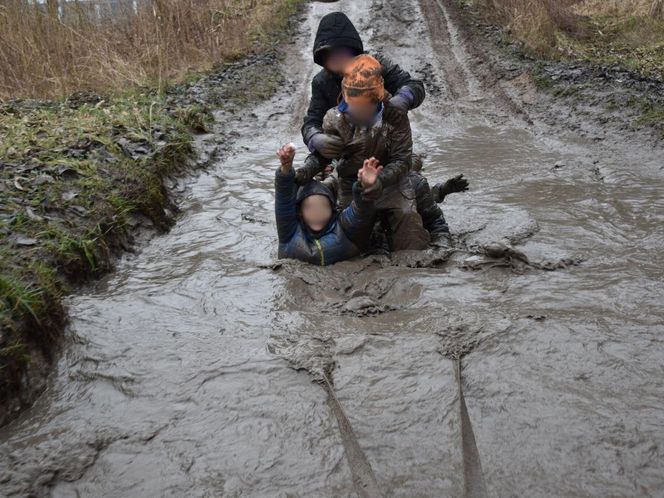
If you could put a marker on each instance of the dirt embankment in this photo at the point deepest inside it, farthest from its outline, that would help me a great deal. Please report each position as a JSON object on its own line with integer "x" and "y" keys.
{"x": 594, "y": 97}
{"x": 84, "y": 179}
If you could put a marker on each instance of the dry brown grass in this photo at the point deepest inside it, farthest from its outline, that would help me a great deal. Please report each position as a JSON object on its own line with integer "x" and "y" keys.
{"x": 536, "y": 22}
{"x": 44, "y": 55}
{"x": 623, "y": 32}
{"x": 614, "y": 7}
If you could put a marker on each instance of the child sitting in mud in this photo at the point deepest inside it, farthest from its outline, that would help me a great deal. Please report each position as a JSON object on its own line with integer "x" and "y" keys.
{"x": 309, "y": 226}
{"x": 336, "y": 43}
{"x": 370, "y": 126}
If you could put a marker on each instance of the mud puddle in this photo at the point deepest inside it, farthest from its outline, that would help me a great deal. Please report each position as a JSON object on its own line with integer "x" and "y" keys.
{"x": 196, "y": 369}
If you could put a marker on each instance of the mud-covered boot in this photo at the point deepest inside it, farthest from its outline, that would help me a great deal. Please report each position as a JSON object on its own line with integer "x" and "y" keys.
{"x": 441, "y": 239}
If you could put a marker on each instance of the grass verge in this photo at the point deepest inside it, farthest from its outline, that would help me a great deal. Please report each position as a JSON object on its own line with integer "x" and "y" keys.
{"x": 625, "y": 33}
{"x": 78, "y": 169}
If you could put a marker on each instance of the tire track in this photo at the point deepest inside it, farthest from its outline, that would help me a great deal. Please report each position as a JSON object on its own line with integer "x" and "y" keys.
{"x": 364, "y": 479}
{"x": 473, "y": 476}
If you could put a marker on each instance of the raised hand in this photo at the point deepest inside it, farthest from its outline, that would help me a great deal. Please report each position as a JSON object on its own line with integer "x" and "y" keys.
{"x": 286, "y": 154}
{"x": 368, "y": 174}
{"x": 456, "y": 184}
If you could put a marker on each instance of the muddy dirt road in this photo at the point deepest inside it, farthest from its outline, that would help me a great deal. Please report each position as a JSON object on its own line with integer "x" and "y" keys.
{"x": 190, "y": 371}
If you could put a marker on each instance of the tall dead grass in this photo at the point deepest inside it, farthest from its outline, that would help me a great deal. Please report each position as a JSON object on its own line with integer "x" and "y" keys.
{"x": 149, "y": 42}
{"x": 540, "y": 23}
{"x": 536, "y": 22}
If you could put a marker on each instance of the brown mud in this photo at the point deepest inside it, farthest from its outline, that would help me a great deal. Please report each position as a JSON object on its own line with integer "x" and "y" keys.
{"x": 196, "y": 368}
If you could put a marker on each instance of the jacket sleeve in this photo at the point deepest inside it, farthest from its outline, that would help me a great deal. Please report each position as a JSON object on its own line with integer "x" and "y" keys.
{"x": 396, "y": 78}
{"x": 400, "y": 147}
{"x": 313, "y": 164}
{"x": 285, "y": 204}
{"x": 313, "y": 120}
{"x": 356, "y": 220}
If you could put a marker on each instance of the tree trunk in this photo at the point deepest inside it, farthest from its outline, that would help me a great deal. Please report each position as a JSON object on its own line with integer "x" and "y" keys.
{"x": 657, "y": 9}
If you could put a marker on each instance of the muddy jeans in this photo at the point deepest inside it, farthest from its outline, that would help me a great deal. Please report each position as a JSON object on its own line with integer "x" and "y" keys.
{"x": 397, "y": 210}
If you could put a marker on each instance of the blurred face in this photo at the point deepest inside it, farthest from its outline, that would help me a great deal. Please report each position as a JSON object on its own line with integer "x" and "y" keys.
{"x": 363, "y": 114}
{"x": 337, "y": 59}
{"x": 316, "y": 212}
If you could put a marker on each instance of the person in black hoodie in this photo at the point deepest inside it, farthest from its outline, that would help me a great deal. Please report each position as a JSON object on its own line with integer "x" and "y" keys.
{"x": 337, "y": 41}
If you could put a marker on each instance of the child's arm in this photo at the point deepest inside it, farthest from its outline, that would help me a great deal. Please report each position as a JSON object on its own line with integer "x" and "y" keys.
{"x": 313, "y": 121}
{"x": 285, "y": 194}
{"x": 313, "y": 164}
{"x": 356, "y": 219}
{"x": 400, "y": 149}
{"x": 315, "y": 137}
{"x": 400, "y": 83}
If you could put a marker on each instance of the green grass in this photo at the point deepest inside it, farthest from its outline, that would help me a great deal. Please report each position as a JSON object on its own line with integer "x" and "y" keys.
{"x": 652, "y": 113}
{"x": 630, "y": 42}
{"x": 72, "y": 176}
{"x": 29, "y": 300}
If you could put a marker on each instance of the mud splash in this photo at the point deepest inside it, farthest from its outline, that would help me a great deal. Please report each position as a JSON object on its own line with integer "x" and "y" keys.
{"x": 196, "y": 368}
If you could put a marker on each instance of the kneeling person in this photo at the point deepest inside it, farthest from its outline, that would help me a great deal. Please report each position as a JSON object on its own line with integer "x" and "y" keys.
{"x": 370, "y": 126}
{"x": 309, "y": 226}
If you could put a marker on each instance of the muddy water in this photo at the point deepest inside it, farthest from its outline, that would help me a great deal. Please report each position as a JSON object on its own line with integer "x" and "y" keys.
{"x": 198, "y": 368}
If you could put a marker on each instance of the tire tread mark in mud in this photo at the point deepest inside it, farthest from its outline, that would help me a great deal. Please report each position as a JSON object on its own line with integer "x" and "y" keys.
{"x": 473, "y": 477}
{"x": 364, "y": 479}
{"x": 461, "y": 79}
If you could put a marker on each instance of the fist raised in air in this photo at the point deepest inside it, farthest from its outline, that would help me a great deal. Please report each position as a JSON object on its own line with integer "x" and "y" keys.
{"x": 286, "y": 154}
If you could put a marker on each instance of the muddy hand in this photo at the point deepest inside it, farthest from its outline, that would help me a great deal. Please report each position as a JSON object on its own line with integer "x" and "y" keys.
{"x": 456, "y": 184}
{"x": 441, "y": 190}
{"x": 368, "y": 175}
{"x": 372, "y": 191}
{"x": 286, "y": 154}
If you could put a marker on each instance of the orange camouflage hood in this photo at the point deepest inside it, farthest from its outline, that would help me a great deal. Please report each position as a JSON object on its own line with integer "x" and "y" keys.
{"x": 363, "y": 81}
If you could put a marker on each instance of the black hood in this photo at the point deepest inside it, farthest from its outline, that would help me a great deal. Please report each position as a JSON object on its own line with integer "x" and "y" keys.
{"x": 314, "y": 187}
{"x": 335, "y": 30}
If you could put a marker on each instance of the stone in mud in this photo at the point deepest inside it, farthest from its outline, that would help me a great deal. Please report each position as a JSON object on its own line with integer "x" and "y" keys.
{"x": 32, "y": 215}
{"x": 25, "y": 241}
{"x": 79, "y": 211}
{"x": 498, "y": 250}
{"x": 68, "y": 196}
{"x": 43, "y": 179}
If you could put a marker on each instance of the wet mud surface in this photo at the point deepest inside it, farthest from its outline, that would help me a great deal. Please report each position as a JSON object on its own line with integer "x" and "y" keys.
{"x": 206, "y": 367}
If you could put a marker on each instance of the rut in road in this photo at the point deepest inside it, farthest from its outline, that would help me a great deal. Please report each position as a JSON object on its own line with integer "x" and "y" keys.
{"x": 179, "y": 379}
